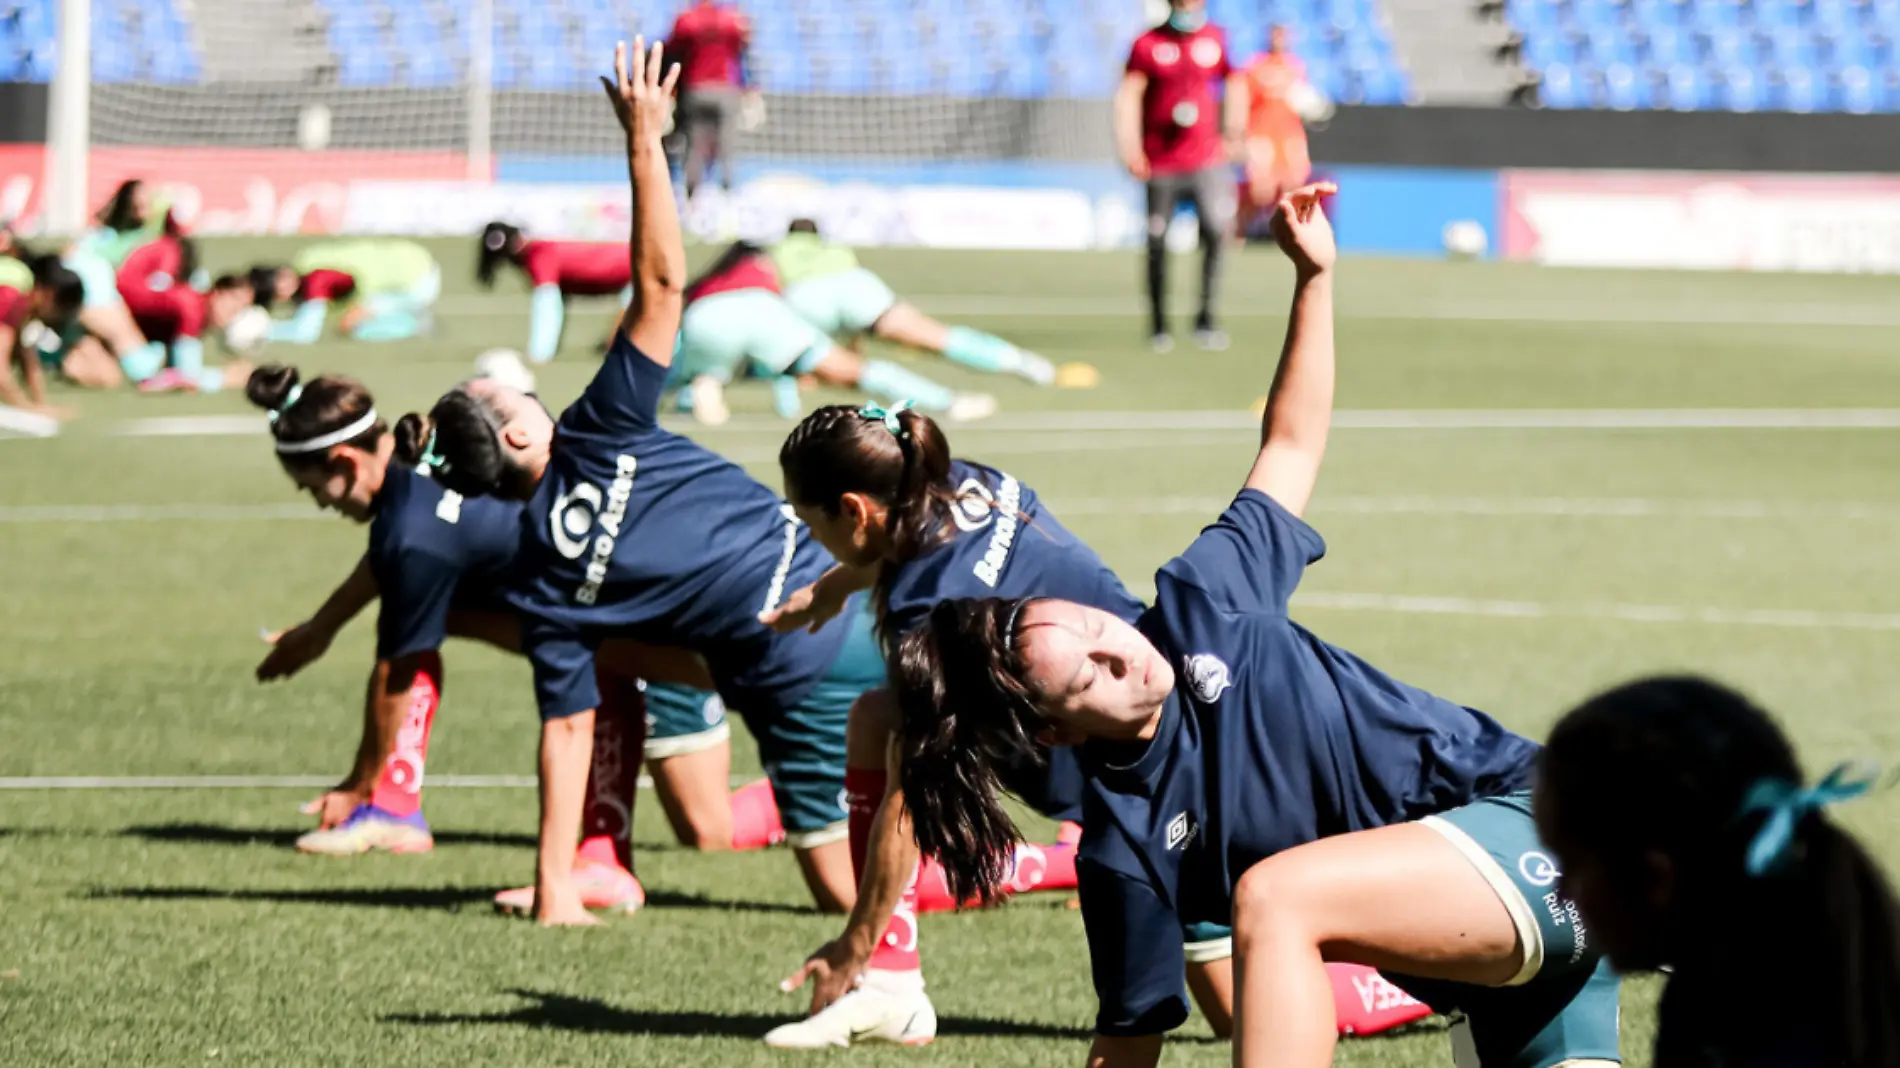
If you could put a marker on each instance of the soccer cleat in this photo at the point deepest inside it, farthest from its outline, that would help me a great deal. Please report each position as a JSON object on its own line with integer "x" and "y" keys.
{"x": 1212, "y": 339}
{"x": 370, "y": 828}
{"x": 170, "y": 380}
{"x": 970, "y": 407}
{"x": 785, "y": 399}
{"x": 709, "y": 401}
{"x": 889, "y": 1008}
{"x": 1036, "y": 369}
{"x": 603, "y": 887}
{"x": 1161, "y": 344}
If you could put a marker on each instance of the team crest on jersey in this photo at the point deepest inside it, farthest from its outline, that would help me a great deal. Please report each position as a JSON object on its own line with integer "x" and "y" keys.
{"x": 976, "y": 506}
{"x": 1206, "y": 52}
{"x": 1167, "y": 54}
{"x": 572, "y": 517}
{"x": 1181, "y": 830}
{"x": 1208, "y": 677}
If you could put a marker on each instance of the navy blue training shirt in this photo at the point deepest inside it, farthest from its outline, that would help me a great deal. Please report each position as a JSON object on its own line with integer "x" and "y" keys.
{"x": 1008, "y": 545}
{"x": 431, "y": 551}
{"x": 640, "y": 532}
{"x": 1271, "y": 739}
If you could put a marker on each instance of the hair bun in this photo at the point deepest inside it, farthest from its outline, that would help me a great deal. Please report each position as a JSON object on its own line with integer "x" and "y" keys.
{"x": 412, "y": 438}
{"x": 270, "y": 384}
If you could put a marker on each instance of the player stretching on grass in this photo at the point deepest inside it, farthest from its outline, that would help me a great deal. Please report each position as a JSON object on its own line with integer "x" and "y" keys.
{"x": 42, "y": 292}
{"x": 737, "y": 320}
{"x": 1676, "y": 811}
{"x": 103, "y": 345}
{"x": 1247, "y": 769}
{"x": 386, "y": 288}
{"x": 437, "y": 561}
{"x": 633, "y": 531}
{"x": 156, "y": 284}
{"x": 557, "y": 270}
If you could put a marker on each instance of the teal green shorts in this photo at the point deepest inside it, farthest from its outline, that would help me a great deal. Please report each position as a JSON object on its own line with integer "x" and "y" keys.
{"x": 1562, "y": 1004}
{"x": 842, "y": 304}
{"x": 681, "y": 720}
{"x": 98, "y": 277}
{"x": 723, "y": 334}
{"x": 803, "y": 749}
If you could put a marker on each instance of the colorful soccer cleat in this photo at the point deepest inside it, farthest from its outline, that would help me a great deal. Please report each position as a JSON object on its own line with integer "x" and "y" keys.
{"x": 370, "y": 828}
{"x": 603, "y": 887}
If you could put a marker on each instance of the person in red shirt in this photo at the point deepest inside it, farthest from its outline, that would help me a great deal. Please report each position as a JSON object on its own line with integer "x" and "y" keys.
{"x": 557, "y": 270}
{"x": 1276, "y": 157}
{"x": 32, "y": 289}
{"x": 710, "y": 40}
{"x": 1178, "y": 134}
{"x": 155, "y": 283}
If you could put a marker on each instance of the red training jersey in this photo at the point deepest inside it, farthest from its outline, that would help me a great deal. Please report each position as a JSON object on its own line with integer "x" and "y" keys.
{"x": 751, "y": 272}
{"x": 1269, "y": 79}
{"x": 15, "y": 307}
{"x": 164, "y": 306}
{"x": 325, "y": 284}
{"x": 580, "y": 268}
{"x": 1180, "y": 112}
{"x": 710, "y": 41}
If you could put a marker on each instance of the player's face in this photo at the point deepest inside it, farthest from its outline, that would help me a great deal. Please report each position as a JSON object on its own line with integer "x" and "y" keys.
{"x": 142, "y": 201}
{"x": 284, "y": 285}
{"x": 843, "y": 534}
{"x": 1277, "y": 41}
{"x": 1095, "y": 676}
{"x": 226, "y": 303}
{"x": 339, "y": 484}
{"x": 1625, "y": 898}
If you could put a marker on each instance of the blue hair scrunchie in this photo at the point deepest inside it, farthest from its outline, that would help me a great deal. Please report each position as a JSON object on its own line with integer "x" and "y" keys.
{"x": 290, "y": 398}
{"x": 888, "y": 416}
{"x": 432, "y": 459}
{"x": 1786, "y": 804}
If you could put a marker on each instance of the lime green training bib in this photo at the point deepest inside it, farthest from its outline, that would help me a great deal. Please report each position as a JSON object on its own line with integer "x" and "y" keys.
{"x": 804, "y": 256}
{"x": 15, "y": 275}
{"x": 378, "y": 265}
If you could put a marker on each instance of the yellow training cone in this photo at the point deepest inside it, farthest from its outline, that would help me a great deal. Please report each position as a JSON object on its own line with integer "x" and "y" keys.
{"x": 1077, "y": 376}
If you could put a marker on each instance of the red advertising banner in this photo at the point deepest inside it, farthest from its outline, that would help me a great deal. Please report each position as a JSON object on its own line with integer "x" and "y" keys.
{"x": 225, "y": 190}
{"x": 1741, "y": 222}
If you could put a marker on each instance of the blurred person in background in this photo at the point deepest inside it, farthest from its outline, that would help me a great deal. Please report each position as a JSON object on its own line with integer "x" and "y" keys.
{"x": 37, "y": 291}
{"x": 709, "y": 42}
{"x": 1178, "y": 134}
{"x": 1276, "y": 159}
{"x": 155, "y": 283}
{"x": 1677, "y": 814}
{"x": 386, "y": 288}
{"x": 556, "y": 270}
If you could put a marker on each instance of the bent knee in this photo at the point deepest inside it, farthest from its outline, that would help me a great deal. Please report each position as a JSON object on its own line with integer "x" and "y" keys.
{"x": 1279, "y": 897}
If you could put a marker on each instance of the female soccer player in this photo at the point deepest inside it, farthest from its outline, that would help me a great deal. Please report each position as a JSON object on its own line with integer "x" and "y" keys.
{"x": 827, "y": 286}
{"x": 737, "y": 320}
{"x": 557, "y": 270}
{"x": 438, "y": 562}
{"x": 387, "y": 289}
{"x": 1245, "y": 769}
{"x": 1676, "y": 811}
{"x": 155, "y": 283}
{"x": 104, "y": 346}
{"x": 633, "y": 531}
{"x": 41, "y": 291}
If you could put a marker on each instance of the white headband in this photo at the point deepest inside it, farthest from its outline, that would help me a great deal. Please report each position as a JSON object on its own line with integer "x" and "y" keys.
{"x": 334, "y": 437}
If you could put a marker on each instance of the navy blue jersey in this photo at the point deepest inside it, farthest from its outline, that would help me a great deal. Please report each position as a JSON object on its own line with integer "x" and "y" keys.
{"x": 1007, "y": 545}
{"x": 637, "y": 531}
{"x": 1271, "y": 739}
{"x": 431, "y": 551}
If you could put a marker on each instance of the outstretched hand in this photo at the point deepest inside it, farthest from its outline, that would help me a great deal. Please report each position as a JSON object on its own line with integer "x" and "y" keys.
{"x": 1300, "y": 226}
{"x": 806, "y": 609}
{"x": 641, "y": 90}
{"x": 832, "y": 972}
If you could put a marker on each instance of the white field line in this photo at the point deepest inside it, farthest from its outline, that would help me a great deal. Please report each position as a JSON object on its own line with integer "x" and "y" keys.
{"x": 1595, "y": 313}
{"x": 1553, "y": 507}
{"x": 1793, "y": 619}
{"x": 267, "y": 782}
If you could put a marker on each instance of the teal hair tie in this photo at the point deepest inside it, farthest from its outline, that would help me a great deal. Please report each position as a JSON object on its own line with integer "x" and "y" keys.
{"x": 1785, "y": 805}
{"x": 290, "y": 398}
{"x": 888, "y": 416}
{"x": 432, "y": 459}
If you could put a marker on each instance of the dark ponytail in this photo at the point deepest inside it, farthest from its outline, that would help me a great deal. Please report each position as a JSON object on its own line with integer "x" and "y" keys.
{"x": 263, "y": 279}
{"x": 56, "y": 278}
{"x": 306, "y": 412}
{"x": 500, "y": 243}
{"x": 458, "y": 444}
{"x": 1806, "y": 930}
{"x": 841, "y": 449}
{"x": 118, "y": 211}
{"x": 735, "y": 254}
{"x": 967, "y": 714}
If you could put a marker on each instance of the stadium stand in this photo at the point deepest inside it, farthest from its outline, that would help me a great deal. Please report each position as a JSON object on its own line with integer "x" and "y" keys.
{"x": 960, "y": 48}
{"x": 1697, "y": 55}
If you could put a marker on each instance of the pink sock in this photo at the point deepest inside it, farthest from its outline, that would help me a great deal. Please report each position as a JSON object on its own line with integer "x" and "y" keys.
{"x": 620, "y": 731}
{"x": 398, "y": 789}
{"x": 755, "y": 820}
{"x": 897, "y": 950}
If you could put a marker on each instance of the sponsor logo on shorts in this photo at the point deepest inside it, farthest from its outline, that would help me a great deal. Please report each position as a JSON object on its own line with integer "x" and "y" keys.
{"x": 1208, "y": 677}
{"x": 1538, "y": 869}
{"x": 1564, "y": 913}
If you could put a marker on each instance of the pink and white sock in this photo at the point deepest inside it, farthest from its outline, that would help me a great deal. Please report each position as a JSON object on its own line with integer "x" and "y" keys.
{"x": 398, "y": 790}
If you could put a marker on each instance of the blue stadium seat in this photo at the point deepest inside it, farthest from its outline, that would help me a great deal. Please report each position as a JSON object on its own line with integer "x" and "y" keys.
{"x": 1792, "y": 48}
{"x": 1836, "y": 16}
{"x": 1609, "y": 45}
{"x": 1731, "y": 48}
{"x": 1655, "y": 14}
{"x": 1775, "y": 15}
{"x": 364, "y": 66}
{"x": 176, "y": 66}
{"x": 553, "y": 70}
{"x": 432, "y": 70}
{"x": 1741, "y": 89}
{"x": 1717, "y": 14}
{"x": 1561, "y": 89}
{"x": 1547, "y": 50}
{"x": 1685, "y": 89}
{"x": 1859, "y": 91}
{"x": 1853, "y": 50}
{"x": 1587, "y": 15}
{"x": 1382, "y": 86}
{"x": 1667, "y": 46}
{"x": 1624, "y": 89}
{"x": 1884, "y": 13}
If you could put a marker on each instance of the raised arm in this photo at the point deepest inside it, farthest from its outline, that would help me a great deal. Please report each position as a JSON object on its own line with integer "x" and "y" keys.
{"x": 1235, "y": 105}
{"x": 1299, "y": 411}
{"x": 642, "y": 94}
{"x": 303, "y": 644}
{"x": 1128, "y": 123}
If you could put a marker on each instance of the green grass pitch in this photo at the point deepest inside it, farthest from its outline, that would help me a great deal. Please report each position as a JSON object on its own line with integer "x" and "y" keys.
{"x": 1514, "y": 568}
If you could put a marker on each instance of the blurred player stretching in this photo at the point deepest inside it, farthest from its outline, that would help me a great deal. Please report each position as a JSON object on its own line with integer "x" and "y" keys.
{"x": 1172, "y": 135}
{"x": 1276, "y": 159}
{"x": 710, "y": 41}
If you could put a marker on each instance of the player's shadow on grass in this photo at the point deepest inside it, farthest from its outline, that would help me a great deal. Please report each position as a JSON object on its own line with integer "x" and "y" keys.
{"x": 442, "y": 898}
{"x": 567, "y": 1013}
{"x": 219, "y": 834}
{"x": 673, "y": 899}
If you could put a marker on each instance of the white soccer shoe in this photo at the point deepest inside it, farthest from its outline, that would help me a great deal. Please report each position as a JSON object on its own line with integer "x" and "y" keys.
{"x": 1037, "y": 369}
{"x": 709, "y": 401}
{"x": 890, "y": 1007}
{"x": 970, "y": 407}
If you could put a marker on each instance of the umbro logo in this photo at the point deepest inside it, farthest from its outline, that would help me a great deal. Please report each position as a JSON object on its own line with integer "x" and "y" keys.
{"x": 1181, "y": 830}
